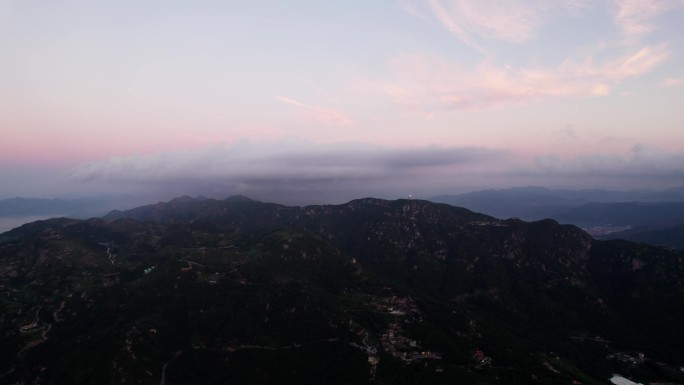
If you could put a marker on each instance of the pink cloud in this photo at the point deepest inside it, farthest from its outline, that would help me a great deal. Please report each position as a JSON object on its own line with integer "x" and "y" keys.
{"x": 511, "y": 20}
{"x": 515, "y": 21}
{"x": 320, "y": 115}
{"x": 424, "y": 82}
{"x": 671, "y": 82}
{"x": 615, "y": 70}
{"x": 634, "y": 17}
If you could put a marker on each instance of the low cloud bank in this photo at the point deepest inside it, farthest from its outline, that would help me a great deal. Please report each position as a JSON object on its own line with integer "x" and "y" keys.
{"x": 301, "y": 172}
{"x": 642, "y": 162}
{"x": 273, "y": 167}
{"x": 280, "y": 161}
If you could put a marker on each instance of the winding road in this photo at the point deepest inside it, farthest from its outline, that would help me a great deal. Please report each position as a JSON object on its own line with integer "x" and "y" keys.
{"x": 109, "y": 253}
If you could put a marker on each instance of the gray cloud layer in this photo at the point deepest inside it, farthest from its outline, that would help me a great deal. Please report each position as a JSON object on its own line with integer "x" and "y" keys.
{"x": 251, "y": 168}
{"x": 280, "y": 161}
{"x": 642, "y": 161}
{"x": 304, "y": 172}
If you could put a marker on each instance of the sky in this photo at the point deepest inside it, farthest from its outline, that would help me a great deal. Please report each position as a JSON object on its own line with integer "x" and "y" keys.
{"x": 327, "y": 101}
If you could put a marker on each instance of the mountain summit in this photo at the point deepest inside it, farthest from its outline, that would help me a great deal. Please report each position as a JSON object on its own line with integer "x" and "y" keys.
{"x": 371, "y": 291}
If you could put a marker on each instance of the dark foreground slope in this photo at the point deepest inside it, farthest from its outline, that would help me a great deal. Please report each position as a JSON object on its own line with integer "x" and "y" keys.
{"x": 372, "y": 291}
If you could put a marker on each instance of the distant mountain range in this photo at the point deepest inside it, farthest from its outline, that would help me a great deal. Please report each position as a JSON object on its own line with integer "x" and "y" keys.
{"x": 17, "y": 211}
{"x": 655, "y": 217}
{"x": 75, "y": 208}
{"x": 534, "y": 203}
{"x": 640, "y": 215}
{"x": 368, "y": 292}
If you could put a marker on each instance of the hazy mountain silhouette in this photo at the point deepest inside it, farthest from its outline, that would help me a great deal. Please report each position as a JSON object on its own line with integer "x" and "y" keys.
{"x": 605, "y": 214}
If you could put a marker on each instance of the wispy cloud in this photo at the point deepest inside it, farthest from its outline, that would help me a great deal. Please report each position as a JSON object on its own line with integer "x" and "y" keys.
{"x": 448, "y": 20}
{"x": 425, "y": 83}
{"x": 428, "y": 82}
{"x": 516, "y": 21}
{"x": 634, "y": 64}
{"x": 635, "y": 17}
{"x": 671, "y": 82}
{"x": 510, "y": 20}
{"x": 412, "y": 8}
{"x": 475, "y": 22}
{"x": 319, "y": 115}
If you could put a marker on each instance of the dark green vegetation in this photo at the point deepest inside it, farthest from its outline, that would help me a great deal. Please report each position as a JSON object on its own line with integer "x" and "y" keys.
{"x": 372, "y": 291}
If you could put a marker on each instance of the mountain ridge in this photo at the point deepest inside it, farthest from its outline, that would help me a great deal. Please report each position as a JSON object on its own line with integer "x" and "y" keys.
{"x": 404, "y": 291}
